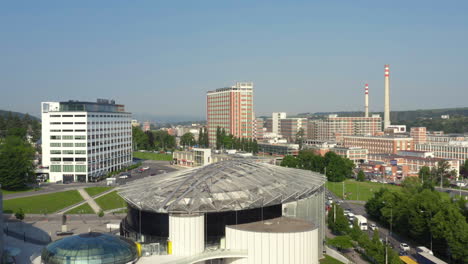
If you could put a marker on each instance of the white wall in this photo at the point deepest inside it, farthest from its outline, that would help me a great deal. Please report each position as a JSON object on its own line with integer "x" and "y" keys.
{"x": 187, "y": 234}
{"x": 273, "y": 248}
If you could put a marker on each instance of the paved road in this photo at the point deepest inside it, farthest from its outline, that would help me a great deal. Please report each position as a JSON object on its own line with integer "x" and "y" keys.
{"x": 357, "y": 207}
{"x": 156, "y": 167}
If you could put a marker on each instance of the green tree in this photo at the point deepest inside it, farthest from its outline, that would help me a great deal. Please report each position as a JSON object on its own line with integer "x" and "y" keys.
{"x": 464, "y": 169}
{"x": 19, "y": 214}
{"x": 300, "y": 137}
{"x": 337, "y": 221}
{"x": 187, "y": 139}
{"x": 289, "y": 161}
{"x": 16, "y": 163}
{"x": 139, "y": 139}
{"x": 361, "y": 176}
{"x": 425, "y": 174}
{"x": 443, "y": 173}
{"x": 340, "y": 242}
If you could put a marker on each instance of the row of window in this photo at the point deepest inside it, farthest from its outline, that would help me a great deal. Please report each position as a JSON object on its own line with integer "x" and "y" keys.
{"x": 67, "y": 159}
{"x": 56, "y": 137}
{"x": 67, "y": 145}
{"x": 67, "y": 115}
{"x": 67, "y": 152}
{"x": 112, "y": 116}
{"x": 68, "y": 168}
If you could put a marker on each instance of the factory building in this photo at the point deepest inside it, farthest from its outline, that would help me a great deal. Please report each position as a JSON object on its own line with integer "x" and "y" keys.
{"x": 379, "y": 144}
{"x": 235, "y": 211}
{"x": 334, "y": 128}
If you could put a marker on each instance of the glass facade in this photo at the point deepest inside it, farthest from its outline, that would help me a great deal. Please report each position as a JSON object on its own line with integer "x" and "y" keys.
{"x": 90, "y": 248}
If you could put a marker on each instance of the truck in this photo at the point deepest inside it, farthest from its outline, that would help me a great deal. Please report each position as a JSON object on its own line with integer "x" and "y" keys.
{"x": 426, "y": 258}
{"x": 424, "y": 249}
{"x": 361, "y": 221}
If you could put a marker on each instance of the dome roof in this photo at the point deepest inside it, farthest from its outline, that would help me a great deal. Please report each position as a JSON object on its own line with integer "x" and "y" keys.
{"x": 223, "y": 186}
{"x": 90, "y": 247}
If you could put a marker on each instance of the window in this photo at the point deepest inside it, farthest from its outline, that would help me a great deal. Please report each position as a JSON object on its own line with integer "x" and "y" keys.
{"x": 67, "y": 145}
{"x": 80, "y": 168}
{"x": 67, "y": 159}
{"x": 54, "y": 115}
{"x": 55, "y": 123}
{"x": 67, "y": 137}
{"x": 55, "y": 130}
{"x": 80, "y": 137}
{"x": 67, "y": 151}
{"x": 67, "y": 130}
{"x": 80, "y": 115}
{"x": 55, "y": 144}
{"x": 80, "y": 130}
{"x": 80, "y": 123}
{"x": 55, "y": 168}
{"x": 80, "y": 144}
{"x": 80, "y": 159}
{"x": 55, "y": 152}
{"x": 54, "y": 137}
{"x": 79, "y": 152}
{"x": 67, "y": 116}
{"x": 67, "y": 123}
{"x": 67, "y": 168}
{"x": 55, "y": 159}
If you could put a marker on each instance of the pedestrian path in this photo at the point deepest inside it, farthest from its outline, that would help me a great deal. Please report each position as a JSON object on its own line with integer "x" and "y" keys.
{"x": 87, "y": 199}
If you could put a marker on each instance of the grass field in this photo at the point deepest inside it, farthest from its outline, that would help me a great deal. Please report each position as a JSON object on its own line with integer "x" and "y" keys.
{"x": 41, "y": 204}
{"x": 5, "y": 192}
{"x": 111, "y": 201}
{"x": 152, "y": 156}
{"x": 329, "y": 260}
{"x": 82, "y": 209}
{"x": 92, "y": 191}
{"x": 360, "y": 191}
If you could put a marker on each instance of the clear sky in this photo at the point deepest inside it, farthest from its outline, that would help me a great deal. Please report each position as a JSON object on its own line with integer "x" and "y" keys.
{"x": 160, "y": 57}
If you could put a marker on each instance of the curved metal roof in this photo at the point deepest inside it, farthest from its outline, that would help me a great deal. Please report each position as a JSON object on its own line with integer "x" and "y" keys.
{"x": 223, "y": 186}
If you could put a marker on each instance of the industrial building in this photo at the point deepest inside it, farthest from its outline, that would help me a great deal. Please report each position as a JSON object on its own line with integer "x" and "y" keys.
{"x": 286, "y": 127}
{"x": 235, "y": 211}
{"x": 379, "y": 144}
{"x": 334, "y": 128}
{"x": 82, "y": 141}
{"x": 231, "y": 108}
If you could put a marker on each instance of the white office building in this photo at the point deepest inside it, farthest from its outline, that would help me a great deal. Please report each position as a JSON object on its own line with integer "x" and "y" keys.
{"x": 82, "y": 141}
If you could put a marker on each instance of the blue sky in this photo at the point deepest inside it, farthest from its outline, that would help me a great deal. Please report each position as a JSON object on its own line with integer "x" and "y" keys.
{"x": 160, "y": 57}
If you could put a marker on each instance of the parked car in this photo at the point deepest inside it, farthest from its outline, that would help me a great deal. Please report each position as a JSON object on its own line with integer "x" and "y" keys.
{"x": 125, "y": 176}
{"x": 404, "y": 247}
{"x": 373, "y": 227}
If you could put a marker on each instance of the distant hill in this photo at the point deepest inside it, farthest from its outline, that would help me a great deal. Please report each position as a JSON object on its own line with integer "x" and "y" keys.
{"x": 400, "y": 116}
{"x": 4, "y": 113}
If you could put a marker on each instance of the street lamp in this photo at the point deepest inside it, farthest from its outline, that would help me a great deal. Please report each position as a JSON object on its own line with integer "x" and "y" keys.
{"x": 391, "y": 216}
{"x": 430, "y": 224}
{"x": 139, "y": 218}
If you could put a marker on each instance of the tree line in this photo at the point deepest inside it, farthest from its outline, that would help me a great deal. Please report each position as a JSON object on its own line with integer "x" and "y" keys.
{"x": 152, "y": 140}
{"x": 20, "y": 126}
{"x": 16, "y": 153}
{"x": 423, "y": 214}
{"x": 335, "y": 167}
{"x": 228, "y": 141}
{"x": 347, "y": 237}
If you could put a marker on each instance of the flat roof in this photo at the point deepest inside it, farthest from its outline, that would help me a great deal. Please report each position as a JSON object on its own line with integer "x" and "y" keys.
{"x": 277, "y": 225}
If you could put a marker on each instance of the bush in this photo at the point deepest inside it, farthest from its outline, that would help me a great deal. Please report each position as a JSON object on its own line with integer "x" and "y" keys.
{"x": 101, "y": 213}
{"x": 19, "y": 214}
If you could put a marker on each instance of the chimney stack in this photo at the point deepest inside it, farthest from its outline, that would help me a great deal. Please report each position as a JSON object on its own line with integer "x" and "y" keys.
{"x": 366, "y": 100}
{"x": 387, "y": 97}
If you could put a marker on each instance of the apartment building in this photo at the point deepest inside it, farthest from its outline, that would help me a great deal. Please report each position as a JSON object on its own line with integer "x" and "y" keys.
{"x": 82, "y": 141}
{"x": 231, "y": 108}
{"x": 419, "y": 135}
{"x": 414, "y": 163}
{"x": 334, "y": 128}
{"x": 356, "y": 154}
{"x": 289, "y": 127}
{"x": 379, "y": 144}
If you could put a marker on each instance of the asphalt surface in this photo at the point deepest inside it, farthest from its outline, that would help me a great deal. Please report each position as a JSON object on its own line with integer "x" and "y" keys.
{"x": 156, "y": 167}
{"x": 357, "y": 208}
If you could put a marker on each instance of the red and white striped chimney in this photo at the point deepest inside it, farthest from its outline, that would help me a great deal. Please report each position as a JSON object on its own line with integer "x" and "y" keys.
{"x": 387, "y": 97}
{"x": 366, "y": 100}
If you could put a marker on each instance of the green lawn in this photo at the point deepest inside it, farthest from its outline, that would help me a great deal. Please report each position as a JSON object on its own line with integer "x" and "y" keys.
{"x": 330, "y": 260}
{"x": 152, "y": 156}
{"x": 5, "y": 192}
{"x": 360, "y": 191}
{"x": 111, "y": 201}
{"x": 82, "y": 209}
{"x": 44, "y": 203}
{"x": 92, "y": 191}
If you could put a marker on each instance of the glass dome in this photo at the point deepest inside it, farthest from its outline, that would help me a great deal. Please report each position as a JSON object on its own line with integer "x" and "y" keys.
{"x": 90, "y": 247}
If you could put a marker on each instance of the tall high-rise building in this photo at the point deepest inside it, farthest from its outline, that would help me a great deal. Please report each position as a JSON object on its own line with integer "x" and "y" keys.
{"x": 275, "y": 121}
{"x": 231, "y": 108}
{"x": 85, "y": 140}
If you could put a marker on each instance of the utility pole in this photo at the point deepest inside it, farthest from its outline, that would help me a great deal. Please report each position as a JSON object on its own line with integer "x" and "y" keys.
{"x": 344, "y": 198}
{"x": 334, "y": 214}
{"x": 386, "y": 248}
